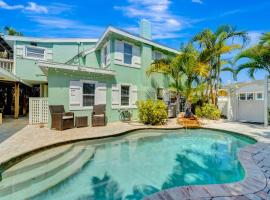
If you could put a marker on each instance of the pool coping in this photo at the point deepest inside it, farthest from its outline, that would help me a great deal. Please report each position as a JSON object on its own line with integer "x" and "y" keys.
{"x": 254, "y": 179}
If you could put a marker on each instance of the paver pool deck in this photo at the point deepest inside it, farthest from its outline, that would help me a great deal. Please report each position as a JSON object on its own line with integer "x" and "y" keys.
{"x": 254, "y": 158}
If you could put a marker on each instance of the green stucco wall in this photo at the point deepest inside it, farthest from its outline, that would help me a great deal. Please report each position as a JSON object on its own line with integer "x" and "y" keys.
{"x": 58, "y": 83}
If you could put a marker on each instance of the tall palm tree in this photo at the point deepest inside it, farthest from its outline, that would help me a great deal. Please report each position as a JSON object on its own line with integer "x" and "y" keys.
{"x": 11, "y": 31}
{"x": 213, "y": 46}
{"x": 185, "y": 70}
{"x": 257, "y": 57}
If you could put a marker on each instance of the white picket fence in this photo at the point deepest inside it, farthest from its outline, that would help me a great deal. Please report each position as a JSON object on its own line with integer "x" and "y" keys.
{"x": 38, "y": 110}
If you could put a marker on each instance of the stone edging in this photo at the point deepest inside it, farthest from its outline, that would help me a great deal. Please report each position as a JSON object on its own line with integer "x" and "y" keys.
{"x": 253, "y": 182}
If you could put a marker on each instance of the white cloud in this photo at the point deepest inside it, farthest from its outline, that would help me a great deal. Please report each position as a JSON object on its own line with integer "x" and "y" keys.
{"x": 197, "y": 1}
{"x": 164, "y": 23}
{"x": 54, "y": 27}
{"x": 33, "y": 7}
{"x": 4, "y": 5}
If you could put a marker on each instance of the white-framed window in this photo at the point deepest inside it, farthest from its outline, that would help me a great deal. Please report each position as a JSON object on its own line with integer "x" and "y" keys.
{"x": 259, "y": 95}
{"x": 157, "y": 55}
{"x": 250, "y": 96}
{"x": 88, "y": 94}
{"x": 242, "y": 96}
{"x": 34, "y": 52}
{"x": 127, "y": 53}
{"x": 125, "y": 95}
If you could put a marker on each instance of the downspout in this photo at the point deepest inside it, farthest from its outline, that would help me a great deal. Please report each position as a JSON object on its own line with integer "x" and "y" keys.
{"x": 266, "y": 101}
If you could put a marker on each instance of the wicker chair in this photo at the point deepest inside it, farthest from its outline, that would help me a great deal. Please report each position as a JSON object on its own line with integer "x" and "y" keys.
{"x": 98, "y": 115}
{"x": 61, "y": 120}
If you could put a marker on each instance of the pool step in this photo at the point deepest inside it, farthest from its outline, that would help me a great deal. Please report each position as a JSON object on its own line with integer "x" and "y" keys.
{"x": 33, "y": 182}
{"x": 37, "y": 160}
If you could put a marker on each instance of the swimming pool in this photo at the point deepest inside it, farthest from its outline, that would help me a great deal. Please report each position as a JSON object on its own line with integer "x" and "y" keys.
{"x": 127, "y": 167}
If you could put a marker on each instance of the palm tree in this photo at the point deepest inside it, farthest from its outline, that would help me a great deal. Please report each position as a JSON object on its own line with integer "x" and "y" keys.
{"x": 258, "y": 57}
{"x": 186, "y": 71}
{"x": 11, "y": 31}
{"x": 213, "y": 46}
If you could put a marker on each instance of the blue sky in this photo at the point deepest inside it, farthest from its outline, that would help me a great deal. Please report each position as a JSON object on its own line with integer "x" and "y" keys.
{"x": 173, "y": 21}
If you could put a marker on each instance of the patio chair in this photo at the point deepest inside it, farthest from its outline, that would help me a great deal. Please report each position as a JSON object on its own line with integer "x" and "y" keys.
{"x": 98, "y": 115}
{"x": 61, "y": 120}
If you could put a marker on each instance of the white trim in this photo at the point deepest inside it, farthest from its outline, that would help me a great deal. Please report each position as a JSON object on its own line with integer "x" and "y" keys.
{"x": 137, "y": 38}
{"x": 34, "y": 47}
{"x": 45, "y": 40}
{"x": 45, "y": 65}
{"x": 126, "y": 65}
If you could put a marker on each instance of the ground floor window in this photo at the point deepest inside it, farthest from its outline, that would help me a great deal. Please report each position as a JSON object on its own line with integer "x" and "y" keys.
{"x": 125, "y": 95}
{"x": 88, "y": 94}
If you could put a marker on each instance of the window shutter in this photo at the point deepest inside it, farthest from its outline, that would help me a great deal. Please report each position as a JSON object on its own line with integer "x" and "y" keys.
{"x": 102, "y": 58}
{"x": 75, "y": 95}
{"x": 166, "y": 95}
{"x": 20, "y": 50}
{"x": 115, "y": 95}
{"x": 100, "y": 93}
{"x": 108, "y": 52}
{"x": 49, "y": 54}
{"x": 136, "y": 57}
{"x": 134, "y": 95}
{"x": 119, "y": 51}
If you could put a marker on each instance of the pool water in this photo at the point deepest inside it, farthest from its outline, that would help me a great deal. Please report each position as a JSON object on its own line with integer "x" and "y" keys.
{"x": 128, "y": 167}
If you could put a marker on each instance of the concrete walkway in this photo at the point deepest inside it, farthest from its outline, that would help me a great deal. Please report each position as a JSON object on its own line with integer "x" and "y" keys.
{"x": 254, "y": 158}
{"x": 11, "y": 126}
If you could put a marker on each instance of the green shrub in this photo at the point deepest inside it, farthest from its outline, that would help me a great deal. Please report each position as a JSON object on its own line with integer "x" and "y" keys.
{"x": 152, "y": 112}
{"x": 198, "y": 111}
{"x": 208, "y": 111}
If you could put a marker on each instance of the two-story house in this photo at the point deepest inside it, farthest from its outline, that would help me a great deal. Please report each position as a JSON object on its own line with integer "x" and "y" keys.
{"x": 79, "y": 73}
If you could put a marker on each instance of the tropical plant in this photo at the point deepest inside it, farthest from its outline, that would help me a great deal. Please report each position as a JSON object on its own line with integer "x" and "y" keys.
{"x": 213, "y": 46}
{"x": 208, "y": 111}
{"x": 11, "y": 31}
{"x": 186, "y": 71}
{"x": 152, "y": 112}
{"x": 257, "y": 57}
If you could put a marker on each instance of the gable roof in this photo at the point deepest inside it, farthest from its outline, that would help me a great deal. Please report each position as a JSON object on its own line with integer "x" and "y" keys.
{"x": 117, "y": 31}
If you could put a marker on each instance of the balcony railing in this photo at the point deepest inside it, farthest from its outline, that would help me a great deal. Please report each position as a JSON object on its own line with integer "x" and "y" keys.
{"x": 7, "y": 64}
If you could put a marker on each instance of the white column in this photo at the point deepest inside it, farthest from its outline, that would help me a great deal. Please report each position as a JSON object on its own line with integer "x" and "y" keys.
{"x": 266, "y": 101}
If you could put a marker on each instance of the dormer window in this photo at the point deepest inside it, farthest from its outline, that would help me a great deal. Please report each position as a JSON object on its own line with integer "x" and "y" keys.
{"x": 33, "y": 52}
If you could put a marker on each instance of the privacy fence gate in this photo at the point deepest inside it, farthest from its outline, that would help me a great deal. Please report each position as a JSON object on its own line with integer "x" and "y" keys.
{"x": 38, "y": 110}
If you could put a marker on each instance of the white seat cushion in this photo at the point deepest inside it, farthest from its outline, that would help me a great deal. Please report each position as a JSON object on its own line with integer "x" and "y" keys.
{"x": 101, "y": 115}
{"x": 67, "y": 117}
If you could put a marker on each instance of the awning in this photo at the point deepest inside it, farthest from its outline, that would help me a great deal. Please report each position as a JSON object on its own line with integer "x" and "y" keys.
{"x": 10, "y": 77}
{"x": 73, "y": 68}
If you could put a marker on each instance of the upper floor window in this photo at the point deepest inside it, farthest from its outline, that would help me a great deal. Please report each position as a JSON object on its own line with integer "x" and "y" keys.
{"x": 157, "y": 55}
{"x": 105, "y": 53}
{"x": 127, "y": 53}
{"x": 35, "y": 52}
{"x": 88, "y": 94}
